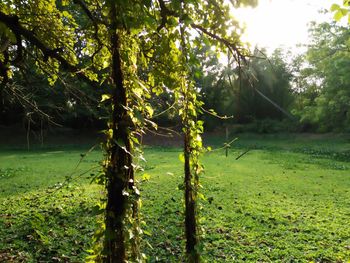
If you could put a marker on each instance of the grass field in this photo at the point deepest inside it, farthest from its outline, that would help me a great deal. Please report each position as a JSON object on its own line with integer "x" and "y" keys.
{"x": 286, "y": 200}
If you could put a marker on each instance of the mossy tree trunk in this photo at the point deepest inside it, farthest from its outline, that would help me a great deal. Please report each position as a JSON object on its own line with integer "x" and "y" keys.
{"x": 119, "y": 170}
{"x": 190, "y": 206}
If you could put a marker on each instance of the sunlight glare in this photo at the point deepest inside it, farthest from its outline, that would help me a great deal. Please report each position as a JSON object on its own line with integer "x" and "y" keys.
{"x": 281, "y": 23}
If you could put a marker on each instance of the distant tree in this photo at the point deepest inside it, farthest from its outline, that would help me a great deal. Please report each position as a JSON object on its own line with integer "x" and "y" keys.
{"x": 259, "y": 89}
{"x": 323, "y": 100}
{"x": 269, "y": 93}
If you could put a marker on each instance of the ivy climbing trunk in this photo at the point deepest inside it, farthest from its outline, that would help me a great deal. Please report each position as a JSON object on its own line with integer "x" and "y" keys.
{"x": 190, "y": 206}
{"x": 190, "y": 182}
{"x": 119, "y": 172}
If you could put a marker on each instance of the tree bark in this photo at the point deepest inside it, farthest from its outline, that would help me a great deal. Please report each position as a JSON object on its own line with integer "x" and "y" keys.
{"x": 190, "y": 207}
{"x": 119, "y": 173}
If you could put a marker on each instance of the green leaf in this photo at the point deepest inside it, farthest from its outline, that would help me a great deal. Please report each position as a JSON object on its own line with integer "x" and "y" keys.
{"x": 344, "y": 11}
{"x": 147, "y": 233}
{"x": 187, "y": 20}
{"x": 105, "y": 97}
{"x": 338, "y": 15}
{"x": 120, "y": 143}
{"x": 149, "y": 110}
{"x": 146, "y": 177}
{"x": 181, "y": 186}
{"x": 182, "y": 157}
{"x": 197, "y": 74}
{"x": 335, "y": 7}
{"x": 201, "y": 196}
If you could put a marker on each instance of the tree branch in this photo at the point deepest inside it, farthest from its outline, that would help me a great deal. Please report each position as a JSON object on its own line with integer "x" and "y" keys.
{"x": 164, "y": 13}
{"x": 94, "y": 21}
{"x": 12, "y": 22}
{"x": 236, "y": 53}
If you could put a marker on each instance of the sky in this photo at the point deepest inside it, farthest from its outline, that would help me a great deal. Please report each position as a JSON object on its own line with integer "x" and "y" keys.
{"x": 282, "y": 23}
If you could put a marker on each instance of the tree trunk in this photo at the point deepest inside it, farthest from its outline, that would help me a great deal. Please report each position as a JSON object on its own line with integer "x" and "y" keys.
{"x": 119, "y": 172}
{"x": 190, "y": 207}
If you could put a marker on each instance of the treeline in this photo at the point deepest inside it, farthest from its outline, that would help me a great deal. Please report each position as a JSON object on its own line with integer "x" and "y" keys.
{"x": 281, "y": 92}
{"x": 322, "y": 80}
{"x": 307, "y": 93}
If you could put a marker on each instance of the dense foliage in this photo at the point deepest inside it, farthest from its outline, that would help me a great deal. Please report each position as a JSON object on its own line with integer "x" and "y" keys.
{"x": 323, "y": 82}
{"x": 130, "y": 50}
{"x": 258, "y": 91}
{"x": 259, "y": 94}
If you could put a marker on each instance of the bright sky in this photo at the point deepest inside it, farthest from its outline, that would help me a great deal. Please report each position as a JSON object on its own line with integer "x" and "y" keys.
{"x": 282, "y": 23}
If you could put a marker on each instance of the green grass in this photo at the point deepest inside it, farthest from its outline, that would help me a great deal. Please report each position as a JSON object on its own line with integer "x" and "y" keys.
{"x": 286, "y": 200}
{"x": 45, "y": 218}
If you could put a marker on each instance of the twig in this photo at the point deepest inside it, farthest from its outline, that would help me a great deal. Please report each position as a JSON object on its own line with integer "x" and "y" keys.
{"x": 225, "y": 146}
{"x": 164, "y": 111}
{"x": 216, "y": 115}
{"x": 244, "y": 153}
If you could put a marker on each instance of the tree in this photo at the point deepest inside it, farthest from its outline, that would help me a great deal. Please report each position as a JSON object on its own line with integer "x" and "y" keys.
{"x": 256, "y": 91}
{"x": 323, "y": 101}
{"x": 272, "y": 94}
{"x": 128, "y": 49}
{"x": 90, "y": 41}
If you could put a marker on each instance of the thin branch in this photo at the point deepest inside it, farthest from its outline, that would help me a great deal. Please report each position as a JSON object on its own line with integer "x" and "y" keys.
{"x": 94, "y": 21}
{"x": 25, "y": 102}
{"x": 164, "y": 111}
{"x": 216, "y": 115}
{"x": 236, "y": 53}
{"x": 164, "y": 13}
{"x": 169, "y": 130}
{"x": 226, "y": 145}
{"x": 244, "y": 153}
{"x": 168, "y": 135}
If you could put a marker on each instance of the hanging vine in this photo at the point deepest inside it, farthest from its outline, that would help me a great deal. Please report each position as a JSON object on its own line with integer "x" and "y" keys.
{"x": 130, "y": 49}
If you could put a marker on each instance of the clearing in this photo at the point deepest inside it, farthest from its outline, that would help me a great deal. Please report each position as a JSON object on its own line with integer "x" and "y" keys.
{"x": 285, "y": 200}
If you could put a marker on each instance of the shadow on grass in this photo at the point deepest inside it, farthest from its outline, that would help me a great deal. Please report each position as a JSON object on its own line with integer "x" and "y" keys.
{"x": 57, "y": 228}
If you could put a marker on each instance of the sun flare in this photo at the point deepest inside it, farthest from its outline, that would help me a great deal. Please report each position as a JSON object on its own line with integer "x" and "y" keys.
{"x": 281, "y": 23}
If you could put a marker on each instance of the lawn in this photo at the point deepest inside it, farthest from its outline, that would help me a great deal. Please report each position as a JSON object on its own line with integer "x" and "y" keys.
{"x": 286, "y": 200}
